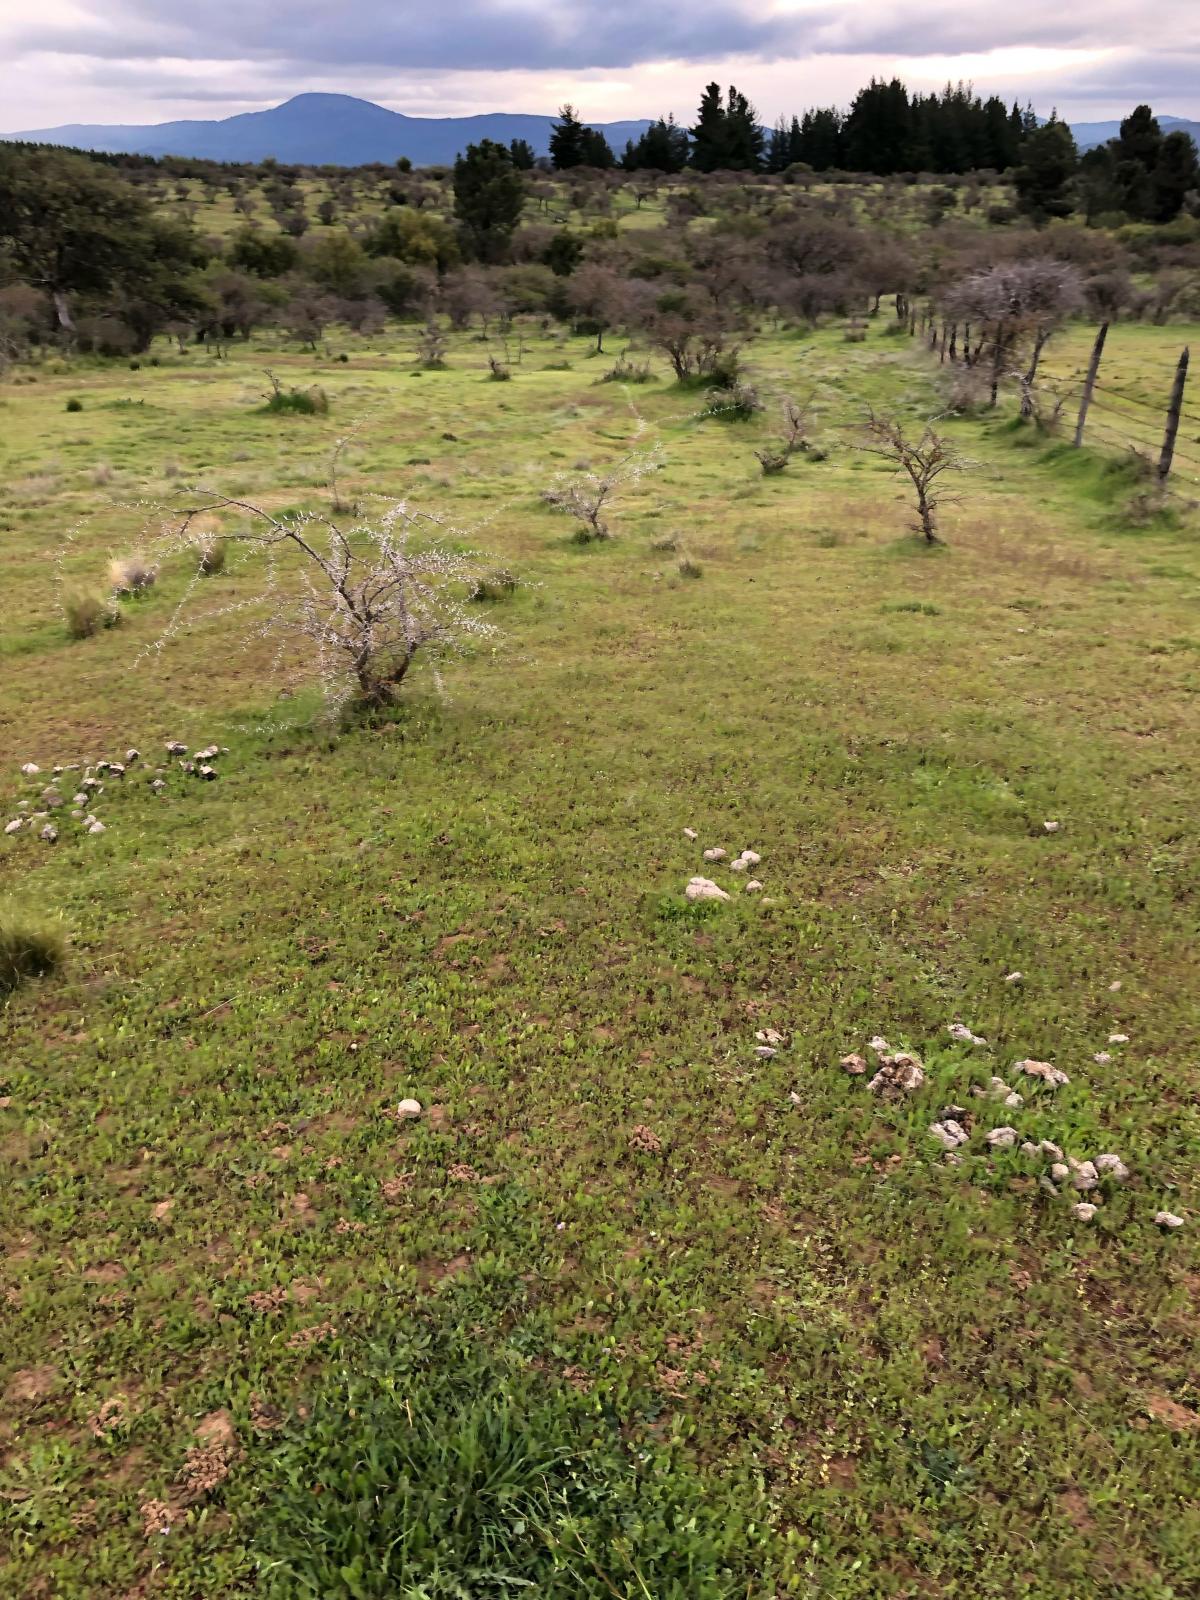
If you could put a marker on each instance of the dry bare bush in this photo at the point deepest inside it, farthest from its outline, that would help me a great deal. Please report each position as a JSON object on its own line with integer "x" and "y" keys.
{"x": 359, "y": 602}
{"x": 924, "y": 460}
{"x": 134, "y": 574}
{"x": 588, "y": 498}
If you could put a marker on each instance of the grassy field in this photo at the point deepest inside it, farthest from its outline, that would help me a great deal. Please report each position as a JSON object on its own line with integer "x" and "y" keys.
{"x": 630, "y": 1309}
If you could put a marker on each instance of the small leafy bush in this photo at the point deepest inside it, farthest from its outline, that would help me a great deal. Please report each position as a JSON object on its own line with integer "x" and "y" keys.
{"x": 490, "y": 587}
{"x": 31, "y": 945}
{"x": 212, "y": 557}
{"x": 626, "y": 371}
{"x": 689, "y": 568}
{"x": 87, "y": 612}
{"x": 298, "y": 402}
{"x": 74, "y": 404}
{"x": 497, "y": 371}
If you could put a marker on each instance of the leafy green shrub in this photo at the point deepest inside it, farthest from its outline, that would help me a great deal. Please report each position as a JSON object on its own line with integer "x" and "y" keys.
{"x": 31, "y": 945}
{"x": 736, "y": 404}
{"x": 493, "y": 586}
{"x": 74, "y": 404}
{"x": 626, "y": 371}
{"x": 86, "y": 612}
{"x": 212, "y": 557}
{"x": 312, "y": 402}
{"x": 443, "y": 1472}
{"x": 497, "y": 371}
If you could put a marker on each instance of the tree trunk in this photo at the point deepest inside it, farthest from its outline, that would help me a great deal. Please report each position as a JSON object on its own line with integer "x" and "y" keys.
{"x": 62, "y": 311}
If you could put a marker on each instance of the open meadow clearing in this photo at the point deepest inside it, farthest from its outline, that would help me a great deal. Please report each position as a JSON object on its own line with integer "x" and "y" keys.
{"x": 654, "y": 1297}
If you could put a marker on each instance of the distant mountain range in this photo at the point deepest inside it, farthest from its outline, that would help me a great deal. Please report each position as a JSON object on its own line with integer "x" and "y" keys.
{"x": 339, "y": 130}
{"x": 1090, "y": 134}
{"x": 322, "y": 130}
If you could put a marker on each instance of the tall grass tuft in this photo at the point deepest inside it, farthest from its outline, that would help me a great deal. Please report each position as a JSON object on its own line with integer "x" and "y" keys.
{"x": 31, "y": 945}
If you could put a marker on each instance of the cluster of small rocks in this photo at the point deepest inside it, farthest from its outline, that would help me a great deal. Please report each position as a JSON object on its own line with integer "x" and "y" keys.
{"x": 91, "y": 785}
{"x": 700, "y": 888}
{"x": 901, "y": 1072}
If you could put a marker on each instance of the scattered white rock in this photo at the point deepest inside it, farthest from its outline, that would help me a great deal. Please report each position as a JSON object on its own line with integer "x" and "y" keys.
{"x": 715, "y": 854}
{"x": 1113, "y": 1167}
{"x": 117, "y": 768}
{"x": 750, "y": 857}
{"x": 1102, "y": 1058}
{"x": 1118, "y": 1038}
{"x": 1051, "y": 827}
{"x": 879, "y": 1044}
{"x": 1168, "y": 1219}
{"x": 961, "y": 1034}
{"x": 1045, "y": 1184}
{"x": 796, "y": 1099}
{"x": 764, "y": 1052}
{"x": 208, "y": 752}
{"x": 704, "y": 889}
{"x": 158, "y": 785}
{"x": 49, "y": 833}
{"x": 855, "y": 1065}
{"x": 1083, "y": 1211}
{"x": 952, "y": 1158}
{"x": 131, "y": 756}
{"x": 739, "y": 865}
{"x": 769, "y": 1036}
{"x": 1115, "y": 987}
{"x": 949, "y": 1134}
{"x": 1013, "y": 977}
{"x": 11, "y": 827}
{"x": 97, "y": 826}
{"x": 753, "y": 887}
{"x": 1029, "y": 1149}
{"x": 690, "y": 833}
{"x": 1049, "y": 1148}
{"x": 898, "y": 1074}
{"x": 31, "y": 769}
{"x": 1002, "y": 1138}
{"x": 1060, "y": 1172}
{"x": 80, "y": 799}
{"x": 174, "y": 748}
{"x": 1084, "y": 1175}
{"x": 1054, "y": 1076}
{"x": 207, "y": 773}
{"x": 408, "y": 1108}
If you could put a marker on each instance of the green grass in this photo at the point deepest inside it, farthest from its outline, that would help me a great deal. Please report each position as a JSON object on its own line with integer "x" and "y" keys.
{"x": 789, "y": 1351}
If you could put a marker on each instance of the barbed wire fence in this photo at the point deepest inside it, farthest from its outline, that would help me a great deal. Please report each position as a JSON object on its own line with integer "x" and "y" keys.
{"x": 1157, "y": 424}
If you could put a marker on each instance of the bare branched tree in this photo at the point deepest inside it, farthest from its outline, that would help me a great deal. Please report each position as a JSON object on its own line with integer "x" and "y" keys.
{"x": 924, "y": 460}
{"x": 1018, "y": 304}
{"x": 588, "y": 498}
{"x": 362, "y": 602}
{"x": 797, "y": 423}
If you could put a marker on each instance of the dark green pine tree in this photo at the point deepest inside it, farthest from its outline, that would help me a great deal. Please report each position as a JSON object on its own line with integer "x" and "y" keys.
{"x": 488, "y": 196}
{"x": 522, "y": 154}
{"x": 596, "y": 149}
{"x": 567, "y": 140}
{"x": 710, "y": 136}
{"x": 745, "y": 135}
{"x": 1176, "y": 173}
{"x": 779, "y": 147}
{"x": 664, "y": 147}
{"x": 1045, "y": 180}
{"x": 879, "y": 129}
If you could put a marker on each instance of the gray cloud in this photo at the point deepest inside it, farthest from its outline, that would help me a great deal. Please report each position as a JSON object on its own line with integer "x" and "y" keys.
{"x": 455, "y": 55}
{"x": 577, "y": 34}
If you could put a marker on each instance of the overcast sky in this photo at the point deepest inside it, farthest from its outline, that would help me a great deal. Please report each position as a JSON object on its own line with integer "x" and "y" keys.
{"x": 155, "y": 60}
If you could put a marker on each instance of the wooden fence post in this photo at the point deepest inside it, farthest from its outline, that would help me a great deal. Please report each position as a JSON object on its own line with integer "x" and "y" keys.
{"x": 1089, "y": 382}
{"x": 1173, "y": 413}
